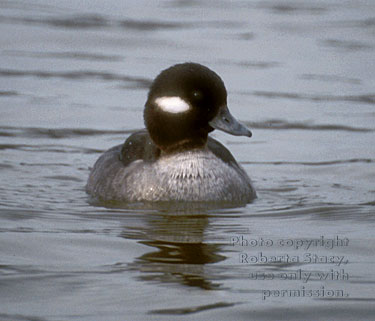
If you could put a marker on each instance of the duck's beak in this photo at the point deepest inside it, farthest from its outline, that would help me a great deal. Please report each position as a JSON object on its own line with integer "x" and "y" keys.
{"x": 226, "y": 122}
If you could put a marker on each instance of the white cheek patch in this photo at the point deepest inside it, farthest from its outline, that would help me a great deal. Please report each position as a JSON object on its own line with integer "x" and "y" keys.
{"x": 173, "y": 105}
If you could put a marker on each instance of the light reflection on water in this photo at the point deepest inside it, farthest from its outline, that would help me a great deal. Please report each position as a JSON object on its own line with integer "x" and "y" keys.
{"x": 73, "y": 81}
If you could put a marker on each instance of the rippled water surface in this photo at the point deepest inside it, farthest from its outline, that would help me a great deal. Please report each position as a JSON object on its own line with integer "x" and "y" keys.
{"x": 73, "y": 80}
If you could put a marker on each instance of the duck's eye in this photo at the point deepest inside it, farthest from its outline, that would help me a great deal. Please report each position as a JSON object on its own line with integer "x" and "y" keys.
{"x": 197, "y": 95}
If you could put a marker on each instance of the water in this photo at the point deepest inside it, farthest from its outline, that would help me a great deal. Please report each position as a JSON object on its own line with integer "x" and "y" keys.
{"x": 73, "y": 82}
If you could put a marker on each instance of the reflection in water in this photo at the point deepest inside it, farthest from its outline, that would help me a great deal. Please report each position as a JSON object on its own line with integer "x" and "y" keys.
{"x": 179, "y": 253}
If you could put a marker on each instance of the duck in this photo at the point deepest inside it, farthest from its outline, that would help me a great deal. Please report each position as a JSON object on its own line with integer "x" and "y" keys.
{"x": 174, "y": 159}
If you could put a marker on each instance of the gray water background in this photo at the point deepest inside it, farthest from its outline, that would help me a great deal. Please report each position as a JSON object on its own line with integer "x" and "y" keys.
{"x": 73, "y": 82}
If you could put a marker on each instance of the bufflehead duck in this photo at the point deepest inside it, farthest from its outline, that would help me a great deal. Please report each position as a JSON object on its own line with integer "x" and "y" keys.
{"x": 174, "y": 159}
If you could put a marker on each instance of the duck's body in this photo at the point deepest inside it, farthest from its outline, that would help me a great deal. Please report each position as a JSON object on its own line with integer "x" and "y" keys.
{"x": 208, "y": 174}
{"x": 174, "y": 160}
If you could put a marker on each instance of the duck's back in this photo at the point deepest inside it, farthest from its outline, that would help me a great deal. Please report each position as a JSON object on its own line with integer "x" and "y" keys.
{"x": 136, "y": 172}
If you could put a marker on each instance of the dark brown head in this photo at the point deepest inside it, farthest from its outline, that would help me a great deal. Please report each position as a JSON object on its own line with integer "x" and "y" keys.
{"x": 185, "y": 103}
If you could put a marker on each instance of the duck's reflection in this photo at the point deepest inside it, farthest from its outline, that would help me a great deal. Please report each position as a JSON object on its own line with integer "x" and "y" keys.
{"x": 179, "y": 253}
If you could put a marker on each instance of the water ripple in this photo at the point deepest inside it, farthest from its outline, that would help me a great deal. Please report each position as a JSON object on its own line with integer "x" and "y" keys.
{"x": 20, "y": 317}
{"x": 364, "y": 98}
{"x": 321, "y": 212}
{"x": 293, "y": 8}
{"x": 348, "y": 45}
{"x": 90, "y": 21}
{"x": 361, "y": 23}
{"x": 149, "y": 25}
{"x": 248, "y": 63}
{"x": 278, "y": 124}
{"x": 51, "y": 148}
{"x": 35, "y": 132}
{"x": 138, "y": 82}
{"x": 331, "y": 78}
{"x": 322, "y": 163}
{"x": 76, "y": 55}
{"x": 195, "y": 309}
{"x": 80, "y": 21}
{"x": 7, "y": 93}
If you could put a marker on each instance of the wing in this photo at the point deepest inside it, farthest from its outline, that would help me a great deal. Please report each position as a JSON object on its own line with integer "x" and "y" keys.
{"x": 139, "y": 146}
{"x": 221, "y": 151}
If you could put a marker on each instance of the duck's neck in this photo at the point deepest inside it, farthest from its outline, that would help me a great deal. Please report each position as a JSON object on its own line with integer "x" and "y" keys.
{"x": 184, "y": 145}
